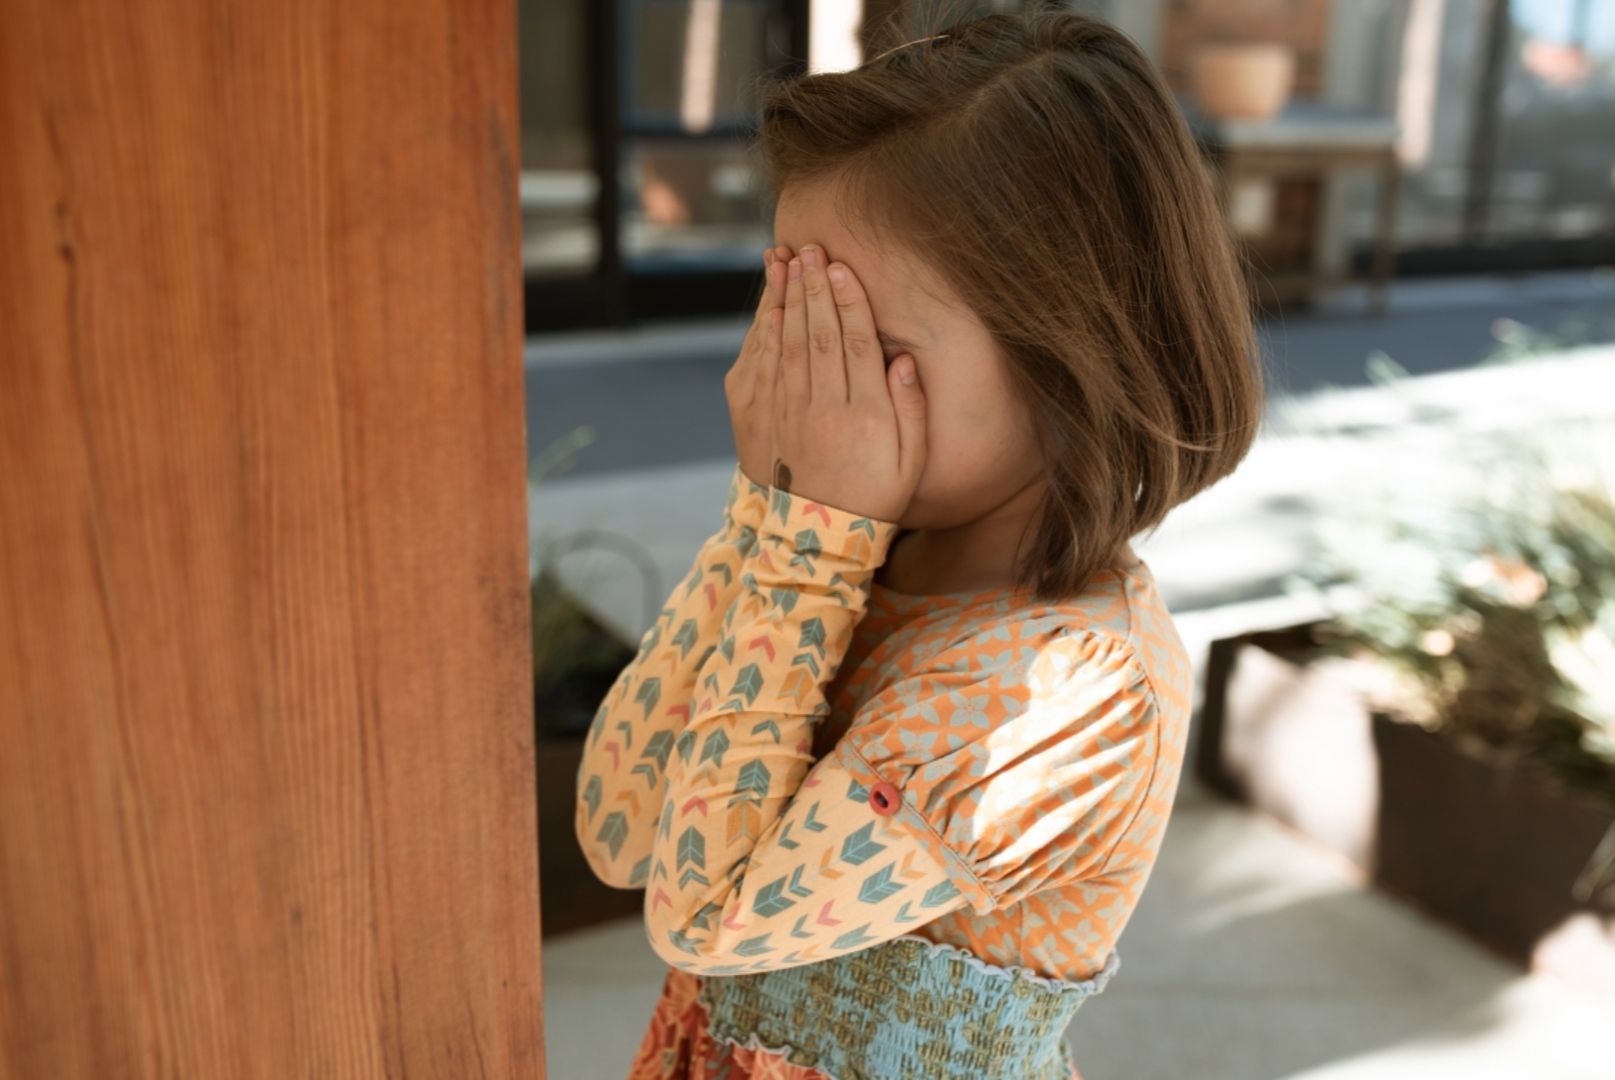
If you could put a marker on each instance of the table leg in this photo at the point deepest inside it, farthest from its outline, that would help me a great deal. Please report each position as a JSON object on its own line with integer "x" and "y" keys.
{"x": 1390, "y": 185}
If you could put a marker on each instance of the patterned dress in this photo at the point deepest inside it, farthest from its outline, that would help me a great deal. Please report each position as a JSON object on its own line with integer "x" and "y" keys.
{"x": 1002, "y": 786}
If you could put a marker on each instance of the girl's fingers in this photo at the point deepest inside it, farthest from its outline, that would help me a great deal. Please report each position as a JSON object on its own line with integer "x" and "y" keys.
{"x": 866, "y": 368}
{"x": 826, "y": 363}
{"x": 757, "y": 333}
{"x": 781, "y": 256}
{"x": 768, "y": 377}
{"x": 780, "y": 262}
{"x": 770, "y": 297}
{"x": 795, "y": 379}
{"x": 767, "y": 373}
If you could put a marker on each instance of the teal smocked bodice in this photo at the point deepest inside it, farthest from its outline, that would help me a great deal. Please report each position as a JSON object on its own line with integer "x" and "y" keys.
{"x": 909, "y": 1007}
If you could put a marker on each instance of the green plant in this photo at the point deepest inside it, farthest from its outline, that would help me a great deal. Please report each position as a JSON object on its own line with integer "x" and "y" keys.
{"x": 565, "y": 641}
{"x": 571, "y": 652}
{"x": 1486, "y": 596}
{"x": 563, "y": 638}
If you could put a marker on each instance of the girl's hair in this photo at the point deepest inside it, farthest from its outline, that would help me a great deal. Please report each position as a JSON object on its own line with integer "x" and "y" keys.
{"x": 1039, "y": 164}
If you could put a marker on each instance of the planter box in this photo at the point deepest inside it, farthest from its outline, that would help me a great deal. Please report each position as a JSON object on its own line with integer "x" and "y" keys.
{"x": 1498, "y": 850}
{"x": 593, "y": 656}
{"x": 570, "y": 896}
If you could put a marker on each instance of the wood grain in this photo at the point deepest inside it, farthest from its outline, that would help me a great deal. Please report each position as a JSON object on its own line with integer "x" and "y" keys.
{"x": 267, "y": 801}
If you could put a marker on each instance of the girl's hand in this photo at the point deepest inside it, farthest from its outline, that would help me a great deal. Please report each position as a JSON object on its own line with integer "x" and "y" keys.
{"x": 847, "y": 431}
{"x": 749, "y": 384}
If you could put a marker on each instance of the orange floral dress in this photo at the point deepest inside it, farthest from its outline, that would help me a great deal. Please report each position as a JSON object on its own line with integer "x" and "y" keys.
{"x": 1002, "y": 787}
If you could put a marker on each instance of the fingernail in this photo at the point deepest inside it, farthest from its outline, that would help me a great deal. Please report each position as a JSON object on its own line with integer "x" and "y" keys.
{"x": 796, "y": 269}
{"x": 838, "y": 274}
{"x": 810, "y": 257}
{"x": 905, "y": 371}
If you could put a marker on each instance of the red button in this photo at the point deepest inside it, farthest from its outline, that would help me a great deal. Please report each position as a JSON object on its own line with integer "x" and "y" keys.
{"x": 884, "y": 797}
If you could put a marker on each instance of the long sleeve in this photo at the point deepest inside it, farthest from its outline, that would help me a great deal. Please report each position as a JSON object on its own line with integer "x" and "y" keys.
{"x": 744, "y": 845}
{"x": 1010, "y": 760}
{"x": 622, "y": 777}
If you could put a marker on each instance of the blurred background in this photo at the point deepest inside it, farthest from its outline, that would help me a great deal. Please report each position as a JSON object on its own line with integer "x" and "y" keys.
{"x": 1393, "y": 852}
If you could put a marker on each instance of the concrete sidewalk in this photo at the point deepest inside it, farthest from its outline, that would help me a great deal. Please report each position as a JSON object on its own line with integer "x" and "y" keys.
{"x": 653, "y": 395}
{"x": 1253, "y": 955}
{"x": 1220, "y": 560}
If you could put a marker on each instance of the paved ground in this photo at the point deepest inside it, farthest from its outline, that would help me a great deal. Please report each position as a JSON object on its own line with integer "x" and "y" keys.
{"x": 654, "y": 396}
{"x": 1254, "y": 954}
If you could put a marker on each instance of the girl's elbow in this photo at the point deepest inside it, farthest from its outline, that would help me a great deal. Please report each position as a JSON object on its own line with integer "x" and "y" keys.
{"x": 661, "y": 943}
{"x": 675, "y": 945}
{"x": 618, "y": 873}
{"x": 612, "y": 875}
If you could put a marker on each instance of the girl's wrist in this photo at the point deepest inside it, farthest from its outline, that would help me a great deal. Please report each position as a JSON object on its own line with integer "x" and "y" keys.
{"x": 798, "y": 526}
{"x": 747, "y": 500}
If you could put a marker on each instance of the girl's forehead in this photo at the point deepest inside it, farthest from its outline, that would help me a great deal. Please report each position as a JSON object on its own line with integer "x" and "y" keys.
{"x": 907, "y": 296}
{"x": 813, "y": 214}
{"x": 796, "y": 227}
{"x": 886, "y": 271}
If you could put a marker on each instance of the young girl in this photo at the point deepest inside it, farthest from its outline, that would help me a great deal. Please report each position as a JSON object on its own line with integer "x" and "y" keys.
{"x": 895, "y": 762}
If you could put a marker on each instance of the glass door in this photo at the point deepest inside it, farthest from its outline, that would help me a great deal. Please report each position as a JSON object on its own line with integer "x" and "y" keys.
{"x": 638, "y": 199}
{"x": 1553, "y": 162}
{"x": 688, "y": 107}
{"x": 559, "y": 185}
{"x": 1506, "y": 109}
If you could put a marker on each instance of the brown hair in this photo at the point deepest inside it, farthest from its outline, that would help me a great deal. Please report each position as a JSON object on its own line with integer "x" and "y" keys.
{"x": 1040, "y": 165}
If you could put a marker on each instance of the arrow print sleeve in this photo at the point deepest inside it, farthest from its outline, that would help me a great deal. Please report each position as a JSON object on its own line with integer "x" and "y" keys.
{"x": 1007, "y": 761}
{"x": 735, "y": 847}
{"x": 622, "y": 777}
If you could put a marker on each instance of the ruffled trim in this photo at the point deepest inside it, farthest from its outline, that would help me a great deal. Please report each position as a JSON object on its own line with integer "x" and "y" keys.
{"x": 1092, "y": 985}
{"x": 753, "y": 1041}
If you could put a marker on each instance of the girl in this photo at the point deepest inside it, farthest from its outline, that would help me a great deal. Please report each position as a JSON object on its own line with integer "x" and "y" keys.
{"x": 895, "y": 762}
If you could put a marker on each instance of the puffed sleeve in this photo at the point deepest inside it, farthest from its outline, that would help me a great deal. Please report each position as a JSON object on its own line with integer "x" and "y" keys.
{"x": 622, "y": 776}
{"x": 1021, "y": 753}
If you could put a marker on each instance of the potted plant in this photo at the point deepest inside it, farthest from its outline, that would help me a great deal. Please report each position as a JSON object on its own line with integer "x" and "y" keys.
{"x": 1234, "y": 79}
{"x": 576, "y": 660}
{"x": 1451, "y": 729}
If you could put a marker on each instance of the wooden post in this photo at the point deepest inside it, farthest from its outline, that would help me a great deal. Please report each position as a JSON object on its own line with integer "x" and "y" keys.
{"x": 267, "y": 801}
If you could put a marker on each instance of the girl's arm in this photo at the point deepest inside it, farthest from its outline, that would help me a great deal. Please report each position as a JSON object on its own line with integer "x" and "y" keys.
{"x": 622, "y": 777}
{"x": 997, "y": 767}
